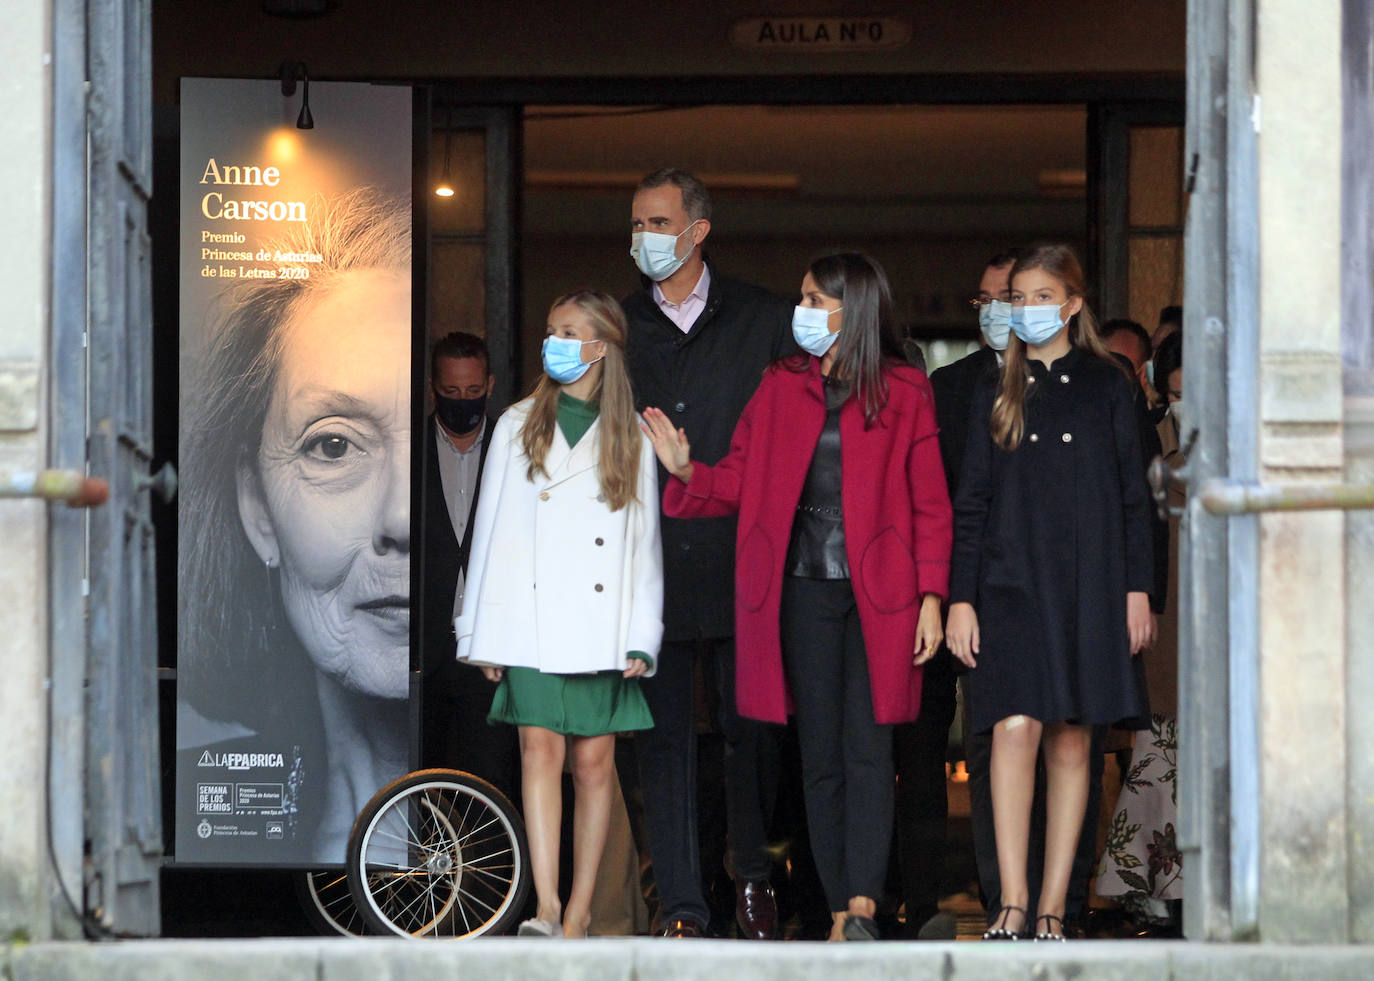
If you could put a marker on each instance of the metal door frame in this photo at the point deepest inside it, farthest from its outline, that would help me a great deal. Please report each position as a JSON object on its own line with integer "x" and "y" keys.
{"x": 1219, "y": 831}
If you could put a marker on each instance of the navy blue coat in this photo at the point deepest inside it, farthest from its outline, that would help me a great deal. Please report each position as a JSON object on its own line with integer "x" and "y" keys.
{"x": 1048, "y": 540}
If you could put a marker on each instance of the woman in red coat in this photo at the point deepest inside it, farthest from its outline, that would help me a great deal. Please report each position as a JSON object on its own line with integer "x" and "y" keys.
{"x": 842, "y": 560}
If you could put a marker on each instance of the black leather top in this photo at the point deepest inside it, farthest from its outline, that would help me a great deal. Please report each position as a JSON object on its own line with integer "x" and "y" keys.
{"x": 816, "y": 549}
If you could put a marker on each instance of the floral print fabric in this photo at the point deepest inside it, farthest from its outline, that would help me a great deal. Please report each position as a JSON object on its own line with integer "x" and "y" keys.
{"x": 1141, "y": 866}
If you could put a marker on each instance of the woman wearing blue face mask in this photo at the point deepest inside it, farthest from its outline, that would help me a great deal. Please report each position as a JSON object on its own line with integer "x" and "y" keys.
{"x": 564, "y": 600}
{"x": 1051, "y": 572}
{"x": 841, "y": 560}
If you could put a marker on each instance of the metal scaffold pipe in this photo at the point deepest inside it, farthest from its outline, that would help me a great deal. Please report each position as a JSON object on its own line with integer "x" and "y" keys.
{"x": 72, "y": 486}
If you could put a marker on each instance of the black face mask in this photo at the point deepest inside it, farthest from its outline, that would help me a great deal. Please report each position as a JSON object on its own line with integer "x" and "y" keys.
{"x": 460, "y": 416}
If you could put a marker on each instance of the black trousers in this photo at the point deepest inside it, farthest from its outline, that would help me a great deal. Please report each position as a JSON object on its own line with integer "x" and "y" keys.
{"x": 919, "y": 750}
{"x": 455, "y": 733}
{"x": 846, "y": 756}
{"x": 667, "y": 756}
{"x": 978, "y": 752}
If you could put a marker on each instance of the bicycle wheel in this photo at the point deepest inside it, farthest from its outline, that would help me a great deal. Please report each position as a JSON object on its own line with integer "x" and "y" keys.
{"x": 438, "y": 854}
{"x": 328, "y": 904}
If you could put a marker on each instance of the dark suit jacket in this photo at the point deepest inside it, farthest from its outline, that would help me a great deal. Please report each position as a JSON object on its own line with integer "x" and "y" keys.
{"x": 954, "y": 385}
{"x": 703, "y": 379}
{"x": 443, "y": 558}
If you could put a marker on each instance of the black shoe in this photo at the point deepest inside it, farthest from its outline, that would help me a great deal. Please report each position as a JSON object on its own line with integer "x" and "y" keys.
{"x": 682, "y": 928}
{"x": 756, "y": 909}
{"x": 859, "y": 928}
{"x": 1046, "y": 935}
{"x": 1000, "y": 931}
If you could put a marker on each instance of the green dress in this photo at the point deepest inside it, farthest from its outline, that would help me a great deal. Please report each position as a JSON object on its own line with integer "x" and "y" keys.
{"x": 573, "y": 704}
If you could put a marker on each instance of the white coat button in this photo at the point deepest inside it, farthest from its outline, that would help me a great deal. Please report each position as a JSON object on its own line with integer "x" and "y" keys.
{"x": 544, "y": 496}
{"x": 1064, "y": 379}
{"x": 598, "y": 587}
{"x": 1067, "y": 437}
{"x": 1034, "y": 438}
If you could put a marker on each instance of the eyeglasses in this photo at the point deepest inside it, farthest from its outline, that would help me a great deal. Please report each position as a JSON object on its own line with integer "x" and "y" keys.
{"x": 982, "y": 301}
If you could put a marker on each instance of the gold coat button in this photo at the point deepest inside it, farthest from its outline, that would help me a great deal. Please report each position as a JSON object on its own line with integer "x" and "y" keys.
{"x": 544, "y": 496}
{"x": 1067, "y": 437}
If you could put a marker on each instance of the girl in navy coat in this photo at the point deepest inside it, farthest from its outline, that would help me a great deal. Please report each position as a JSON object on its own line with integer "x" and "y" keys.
{"x": 1050, "y": 573}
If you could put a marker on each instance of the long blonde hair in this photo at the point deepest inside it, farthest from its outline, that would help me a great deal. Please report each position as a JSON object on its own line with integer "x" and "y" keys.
{"x": 1008, "y": 419}
{"x": 618, "y": 464}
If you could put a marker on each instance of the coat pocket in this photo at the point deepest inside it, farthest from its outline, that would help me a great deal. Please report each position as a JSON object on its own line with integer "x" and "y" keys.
{"x": 754, "y": 571}
{"x": 889, "y": 572}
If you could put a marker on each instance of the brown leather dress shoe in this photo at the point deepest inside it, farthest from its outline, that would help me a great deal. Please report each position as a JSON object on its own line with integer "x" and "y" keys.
{"x": 682, "y": 928}
{"x": 756, "y": 909}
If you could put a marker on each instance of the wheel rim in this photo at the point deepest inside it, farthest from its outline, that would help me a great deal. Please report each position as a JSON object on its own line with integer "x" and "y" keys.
{"x": 440, "y": 860}
{"x": 329, "y": 895}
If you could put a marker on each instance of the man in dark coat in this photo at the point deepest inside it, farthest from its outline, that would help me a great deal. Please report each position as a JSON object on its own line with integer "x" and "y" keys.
{"x": 1128, "y": 339}
{"x": 697, "y": 347}
{"x": 919, "y": 748}
{"x": 456, "y": 698}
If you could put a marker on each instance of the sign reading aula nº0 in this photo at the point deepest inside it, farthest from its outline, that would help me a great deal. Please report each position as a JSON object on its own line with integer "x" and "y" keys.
{"x": 841, "y": 33}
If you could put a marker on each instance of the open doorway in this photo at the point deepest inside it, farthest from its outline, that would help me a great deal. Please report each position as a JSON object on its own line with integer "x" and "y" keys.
{"x": 931, "y": 191}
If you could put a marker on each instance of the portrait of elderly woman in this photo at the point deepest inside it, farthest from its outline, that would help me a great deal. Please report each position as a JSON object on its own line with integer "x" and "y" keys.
{"x": 294, "y": 559}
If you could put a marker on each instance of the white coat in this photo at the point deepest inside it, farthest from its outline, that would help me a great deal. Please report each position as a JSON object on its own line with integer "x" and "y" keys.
{"x": 556, "y": 580}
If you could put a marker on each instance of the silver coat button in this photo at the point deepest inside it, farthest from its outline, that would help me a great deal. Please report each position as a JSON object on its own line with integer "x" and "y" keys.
{"x": 1034, "y": 438}
{"x": 1067, "y": 437}
{"x": 1064, "y": 379}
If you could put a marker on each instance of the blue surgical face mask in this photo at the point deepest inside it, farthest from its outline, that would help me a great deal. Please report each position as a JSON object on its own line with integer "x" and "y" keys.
{"x": 563, "y": 359}
{"x": 811, "y": 328}
{"x": 1037, "y": 325}
{"x": 994, "y": 320}
{"x": 656, "y": 253}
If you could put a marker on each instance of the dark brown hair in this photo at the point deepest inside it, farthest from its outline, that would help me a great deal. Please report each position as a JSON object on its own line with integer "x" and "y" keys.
{"x": 868, "y": 339}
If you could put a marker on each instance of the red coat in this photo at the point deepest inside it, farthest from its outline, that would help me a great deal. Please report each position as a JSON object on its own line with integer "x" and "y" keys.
{"x": 897, "y": 526}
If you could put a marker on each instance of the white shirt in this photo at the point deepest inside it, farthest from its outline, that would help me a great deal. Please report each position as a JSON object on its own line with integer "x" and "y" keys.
{"x": 458, "y": 475}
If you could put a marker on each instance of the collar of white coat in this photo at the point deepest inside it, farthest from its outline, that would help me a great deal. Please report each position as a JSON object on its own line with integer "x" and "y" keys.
{"x": 564, "y": 462}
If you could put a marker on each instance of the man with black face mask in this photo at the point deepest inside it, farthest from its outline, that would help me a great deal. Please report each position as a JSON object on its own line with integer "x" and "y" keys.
{"x": 456, "y": 698}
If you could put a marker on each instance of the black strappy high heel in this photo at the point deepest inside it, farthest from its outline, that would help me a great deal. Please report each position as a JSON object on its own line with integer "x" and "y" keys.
{"x": 1046, "y": 935}
{"x": 1001, "y": 932}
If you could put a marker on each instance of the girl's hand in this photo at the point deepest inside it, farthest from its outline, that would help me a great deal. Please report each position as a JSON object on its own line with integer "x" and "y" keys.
{"x": 961, "y": 633}
{"x": 928, "y": 631}
{"x": 1140, "y": 622}
{"x": 671, "y": 445}
{"x": 636, "y": 667}
{"x": 492, "y": 674}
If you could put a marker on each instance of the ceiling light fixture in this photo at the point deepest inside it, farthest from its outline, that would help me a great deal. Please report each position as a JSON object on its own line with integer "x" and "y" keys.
{"x": 444, "y": 188}
{"x": 291, "y": 72}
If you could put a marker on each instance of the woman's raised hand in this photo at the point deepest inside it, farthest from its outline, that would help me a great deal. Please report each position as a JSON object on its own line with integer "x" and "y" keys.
{"x": 961, "y": 633}
{"x": 670, "y": 443}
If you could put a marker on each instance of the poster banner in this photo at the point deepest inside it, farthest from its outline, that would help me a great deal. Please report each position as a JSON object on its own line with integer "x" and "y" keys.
{"x": 293, "y": 610}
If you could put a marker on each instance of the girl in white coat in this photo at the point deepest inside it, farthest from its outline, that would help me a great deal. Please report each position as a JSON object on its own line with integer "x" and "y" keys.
{"x": 564, "y": 600}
